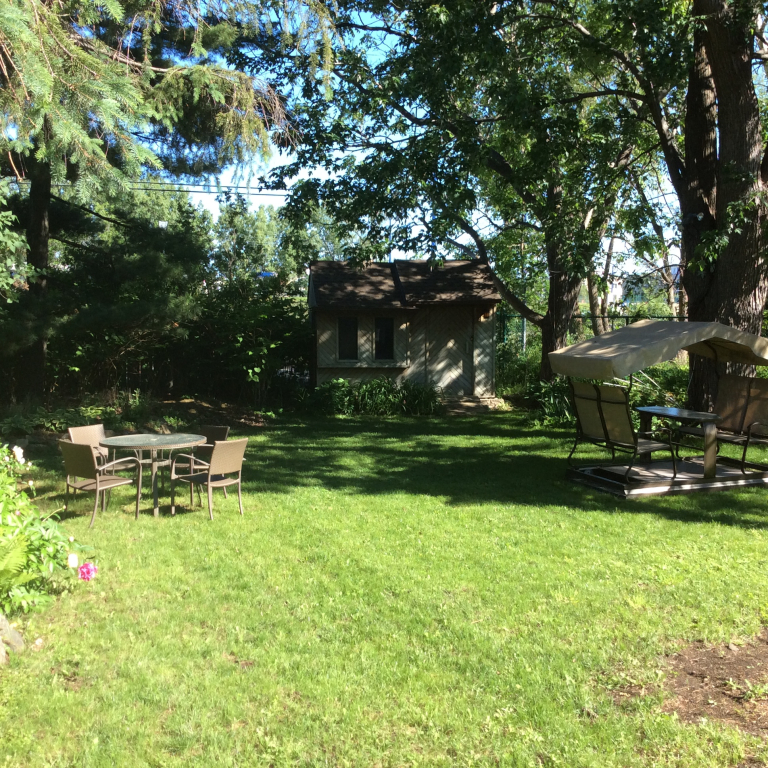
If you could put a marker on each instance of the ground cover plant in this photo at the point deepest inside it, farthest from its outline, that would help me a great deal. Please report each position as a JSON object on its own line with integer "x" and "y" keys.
{"x": 423, "y": 591}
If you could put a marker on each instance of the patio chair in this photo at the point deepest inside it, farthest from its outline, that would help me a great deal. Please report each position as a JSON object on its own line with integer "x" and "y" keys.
{"x": 211, "y": 435}
{"x": 603, "y": 418}
{"x": 92, "y": 435}
{"x": 203, "y": 452}
{"x": 742, "y": 404}
{"x": 80, "y": 462}
{"x": 226, "y": 459}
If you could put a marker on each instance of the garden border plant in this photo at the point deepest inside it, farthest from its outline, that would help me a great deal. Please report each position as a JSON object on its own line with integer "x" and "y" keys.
{"x": 378, "y": 397}
{"x": 37, "y": 557}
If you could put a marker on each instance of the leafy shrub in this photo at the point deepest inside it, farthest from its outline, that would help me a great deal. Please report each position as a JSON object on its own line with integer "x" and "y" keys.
{"x": 516, "y": 368}
{"x": 135, "y": 406}
{"x": 289, "y": 389}
{"x": 377, "y": 397}
{"x": 334, "y": 397}
{"x": 418, "y": 400}
{"x": 552, "y": 401}
{"x": 24, "y": 422}
{"x": 665, "y": 384}
{"x": 33, "y": 549}
{"x": 13, "y": 558}
{"x": 127, "y": 410}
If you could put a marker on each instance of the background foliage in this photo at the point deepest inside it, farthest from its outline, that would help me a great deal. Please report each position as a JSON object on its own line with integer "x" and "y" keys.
{"x": 151, "y": 294}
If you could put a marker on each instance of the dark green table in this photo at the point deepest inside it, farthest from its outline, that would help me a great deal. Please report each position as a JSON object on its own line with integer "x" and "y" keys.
{"x": 153, "y": 444}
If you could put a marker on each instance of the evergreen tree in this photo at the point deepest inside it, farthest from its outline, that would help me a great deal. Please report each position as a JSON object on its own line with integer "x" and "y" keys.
{"x": 94, "y": 93}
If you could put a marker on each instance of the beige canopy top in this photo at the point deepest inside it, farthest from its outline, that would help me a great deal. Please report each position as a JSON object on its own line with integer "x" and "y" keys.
{"x": 648, "y": 342}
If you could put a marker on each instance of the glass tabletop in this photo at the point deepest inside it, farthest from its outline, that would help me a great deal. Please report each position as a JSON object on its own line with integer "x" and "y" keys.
{"x": 149, "y": 442}
{"x": 681, "y": 414}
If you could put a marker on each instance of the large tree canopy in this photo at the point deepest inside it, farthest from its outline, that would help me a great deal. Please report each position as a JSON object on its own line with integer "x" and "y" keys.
{"x": 691, "y": 69}
{"x": 525, "y": 107}
{"x": 521, "y": 131}
{"x": 462, "y": 124}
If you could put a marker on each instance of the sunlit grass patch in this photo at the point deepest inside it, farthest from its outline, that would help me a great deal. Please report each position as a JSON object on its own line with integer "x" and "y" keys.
{"x": 426, "y": 591}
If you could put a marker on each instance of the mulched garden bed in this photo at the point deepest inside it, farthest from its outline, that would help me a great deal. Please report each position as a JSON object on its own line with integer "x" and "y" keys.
{"x": 727, "y": 683}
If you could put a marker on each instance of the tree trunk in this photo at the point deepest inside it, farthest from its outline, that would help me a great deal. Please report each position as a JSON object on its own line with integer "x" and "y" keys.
{"x": 30, "y": 376}
{"x": 670, "y": 283}
{"x": 722, "y": 107}
{"x": 594, "y": 305}
{"x": 562, "y": 303}
{"x": 740, "y": 286}
{"x": 606, "y": 278}
{"x": 598, "y": 302}
{"x": 697, "y": 196}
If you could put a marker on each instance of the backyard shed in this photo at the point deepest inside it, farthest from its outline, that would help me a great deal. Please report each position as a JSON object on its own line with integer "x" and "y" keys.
{"x": 407, "y": 320}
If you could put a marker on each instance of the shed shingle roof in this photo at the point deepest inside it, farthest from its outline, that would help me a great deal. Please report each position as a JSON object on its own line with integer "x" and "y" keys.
{"x": 401, "y": 283}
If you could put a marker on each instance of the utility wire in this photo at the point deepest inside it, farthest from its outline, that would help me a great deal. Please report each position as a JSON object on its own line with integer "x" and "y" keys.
{"x": 197, "y": 189}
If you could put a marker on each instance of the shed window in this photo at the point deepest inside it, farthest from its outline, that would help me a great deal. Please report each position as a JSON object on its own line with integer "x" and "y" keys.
{"x": 347, "y": 338}
{"x": 385, "y": 338}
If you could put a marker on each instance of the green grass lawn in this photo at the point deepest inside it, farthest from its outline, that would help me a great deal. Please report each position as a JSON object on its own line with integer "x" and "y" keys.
{"x": 399, "y": 592}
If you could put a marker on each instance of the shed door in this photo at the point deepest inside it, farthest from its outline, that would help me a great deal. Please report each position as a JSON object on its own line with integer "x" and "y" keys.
{"x": 450, "y": 350}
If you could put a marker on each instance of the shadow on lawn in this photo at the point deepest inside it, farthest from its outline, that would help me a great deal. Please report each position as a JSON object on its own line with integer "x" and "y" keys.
{"x": 494, "y": 458}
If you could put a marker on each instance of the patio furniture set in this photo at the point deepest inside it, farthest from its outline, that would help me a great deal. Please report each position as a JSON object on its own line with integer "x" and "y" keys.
{"x": 213, "y": 462}
{"x": 604, "y": 417}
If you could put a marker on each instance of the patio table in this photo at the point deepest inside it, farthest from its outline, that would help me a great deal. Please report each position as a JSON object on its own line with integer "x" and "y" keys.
{"x": 707, "y": 420}
{"x": 153, "y": 444}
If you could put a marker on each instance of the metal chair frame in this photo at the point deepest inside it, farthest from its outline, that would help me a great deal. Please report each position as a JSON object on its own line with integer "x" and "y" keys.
{"x": 641, "y": 441}
{"x": 80, "y": 462}
{"x": 227, "y": 458}
{"x": 739, "y": 399}
{"x": 91, "y": 434}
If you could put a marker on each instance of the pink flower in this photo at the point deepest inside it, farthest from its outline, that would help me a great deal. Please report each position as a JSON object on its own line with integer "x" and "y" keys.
{"x": 87, "y": 571}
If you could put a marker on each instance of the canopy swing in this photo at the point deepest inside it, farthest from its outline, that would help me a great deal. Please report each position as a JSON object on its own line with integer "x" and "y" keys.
{"x": 621, "y": 353}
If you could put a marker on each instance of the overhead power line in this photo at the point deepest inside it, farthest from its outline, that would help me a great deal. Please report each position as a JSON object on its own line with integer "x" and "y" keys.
{"x": 197, "y": 189}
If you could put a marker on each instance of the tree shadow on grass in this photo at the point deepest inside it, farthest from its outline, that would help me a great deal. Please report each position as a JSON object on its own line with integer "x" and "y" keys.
{"x": 485, "y": 459}
{"x": 496, "y": 458}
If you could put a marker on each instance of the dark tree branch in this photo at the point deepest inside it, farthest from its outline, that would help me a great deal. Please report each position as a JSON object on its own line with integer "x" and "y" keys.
{"x": 508, "y": 296}
{"x": 596, "y": 94}
{"x": 495, "y": 161}
{"x": 649, "y": 96}
{"x": 387, "y": 29}
{"x": 93, "y": 213}
{"x": 462, "y": 247}
{"x": 73, "y": 244}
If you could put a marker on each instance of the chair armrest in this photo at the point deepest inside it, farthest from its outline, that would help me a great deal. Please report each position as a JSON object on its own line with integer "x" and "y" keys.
{"x": 670, "y": 433}
{"x": 753, "y": 425}
{"x": 193, "y": 461}
{"x": 125, "y": 460}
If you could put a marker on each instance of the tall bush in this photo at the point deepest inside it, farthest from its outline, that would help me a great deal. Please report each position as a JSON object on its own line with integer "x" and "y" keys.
{"x": 33, "y": 549}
